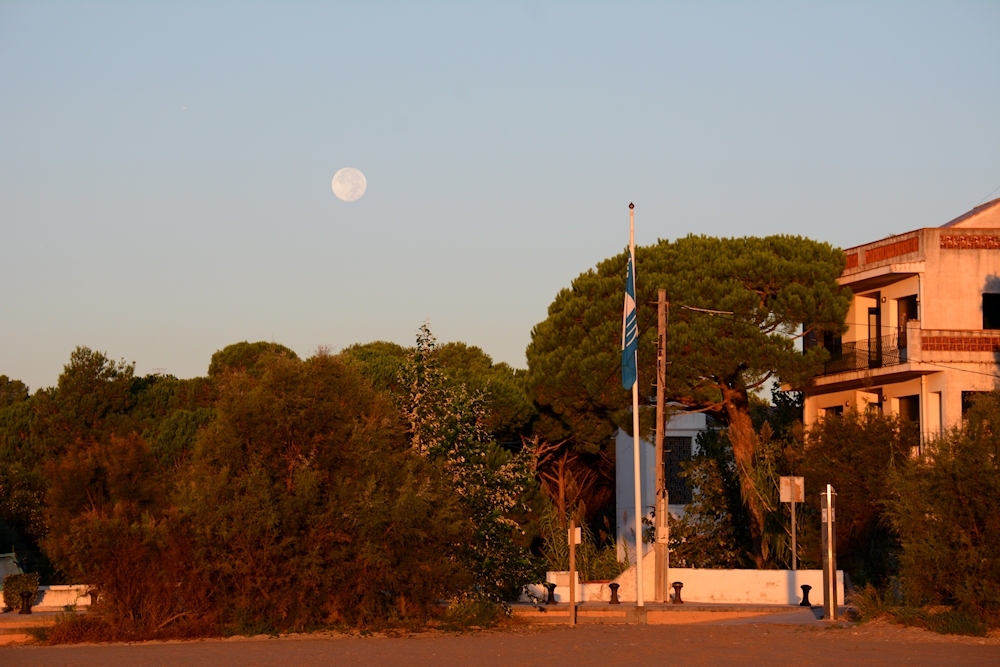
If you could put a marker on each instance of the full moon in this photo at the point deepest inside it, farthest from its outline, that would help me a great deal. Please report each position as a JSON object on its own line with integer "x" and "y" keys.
{"x": 349, "y": 184}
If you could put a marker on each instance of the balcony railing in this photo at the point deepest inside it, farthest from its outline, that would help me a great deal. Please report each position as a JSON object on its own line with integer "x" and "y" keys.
{"x": 865, "y": 354}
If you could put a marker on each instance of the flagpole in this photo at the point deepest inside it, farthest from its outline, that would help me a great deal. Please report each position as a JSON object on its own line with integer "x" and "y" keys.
{"x": 637, "y": 468}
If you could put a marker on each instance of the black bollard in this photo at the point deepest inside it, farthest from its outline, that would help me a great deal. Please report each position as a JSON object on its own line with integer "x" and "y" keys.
{"x": 26, "y": 602}
{"x": 614, "y": 593}
{"x": 552, "y": 593}
{"x": 677, "y": 592}
{"x": 805, "y": 596}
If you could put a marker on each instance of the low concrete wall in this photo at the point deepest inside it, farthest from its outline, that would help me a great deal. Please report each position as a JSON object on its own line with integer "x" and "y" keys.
{"x": 727, "y": 586}
{"x": 57, "y": 598}
{"x": 561, "y": 593}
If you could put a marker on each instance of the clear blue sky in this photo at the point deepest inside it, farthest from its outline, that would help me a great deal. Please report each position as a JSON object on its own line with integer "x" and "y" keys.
{"x": 165, "y": 167}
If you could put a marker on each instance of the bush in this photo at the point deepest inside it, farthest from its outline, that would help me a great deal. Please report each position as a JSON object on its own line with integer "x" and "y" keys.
{"x": 306, "y": 509}
{"x": 15, "y": 584}
{"x": 856, "y": 453}
{"x": 596, "y": 557}
{"x": 475, "y": 612}
{"x": 872, "y": 602}
{"x": 714, "y": 531}
{"x": 947, "y": 514}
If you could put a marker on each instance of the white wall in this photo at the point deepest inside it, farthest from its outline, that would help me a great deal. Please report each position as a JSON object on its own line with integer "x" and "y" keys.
{"x": 681, "y": 426}
{"x": 730, "y": 586}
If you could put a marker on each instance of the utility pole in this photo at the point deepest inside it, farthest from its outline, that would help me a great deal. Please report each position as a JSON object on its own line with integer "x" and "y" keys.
{"x": 661, "y": 554}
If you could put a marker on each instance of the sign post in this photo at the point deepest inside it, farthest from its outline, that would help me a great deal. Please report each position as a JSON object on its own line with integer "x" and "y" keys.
{"x": 793, "y": 490}
{"x": 574, "y": 536}
{"x": 828, "y": 519}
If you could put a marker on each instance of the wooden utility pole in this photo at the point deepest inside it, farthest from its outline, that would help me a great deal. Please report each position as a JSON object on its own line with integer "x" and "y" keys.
{"x": 662, "y": 556}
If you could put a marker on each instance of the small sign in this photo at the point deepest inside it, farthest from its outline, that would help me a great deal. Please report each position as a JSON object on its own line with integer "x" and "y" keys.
{"x": 578, "y": 538}
{"x": 793, "y": 488}
{"x": 833, "y": 515}
{"x": 662, "y": 535}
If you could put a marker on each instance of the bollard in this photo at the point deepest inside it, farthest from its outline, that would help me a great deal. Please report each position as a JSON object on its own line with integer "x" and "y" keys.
{"x": 552, "y": 593}
{"x": 614, "y": 593}
{"x": 805, "y": 596}
{"x": 677, "y": 592}
{"x": 26, "y": 602}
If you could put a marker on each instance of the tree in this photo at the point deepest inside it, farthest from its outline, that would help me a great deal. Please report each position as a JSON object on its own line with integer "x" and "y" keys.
{"x": 305, "y": 506}
{"x": 243, "y": 357}
{"x": 380, "y": 362}
{"x": 92, "y": 394}
{"x": 858, "y": 454}
{"x": 946, "y": 511}
{"x": 509, "y": 409}
{"x": 736, "y": 305}
{"x": 448, "y": 424}
{"x": 12, "y": 391}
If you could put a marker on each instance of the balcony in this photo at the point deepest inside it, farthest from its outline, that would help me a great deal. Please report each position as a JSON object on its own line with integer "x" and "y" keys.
{"x": 866, "y": 354}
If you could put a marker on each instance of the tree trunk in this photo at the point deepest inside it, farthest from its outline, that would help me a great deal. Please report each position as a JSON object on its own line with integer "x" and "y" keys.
{"x": 744, "y": 441}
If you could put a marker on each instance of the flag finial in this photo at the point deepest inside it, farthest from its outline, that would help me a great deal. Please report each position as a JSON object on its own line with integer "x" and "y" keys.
{"x": 631, "y": 205}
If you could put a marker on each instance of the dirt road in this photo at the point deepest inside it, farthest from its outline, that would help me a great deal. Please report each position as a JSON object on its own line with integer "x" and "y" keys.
{"x": 583, "y": 646}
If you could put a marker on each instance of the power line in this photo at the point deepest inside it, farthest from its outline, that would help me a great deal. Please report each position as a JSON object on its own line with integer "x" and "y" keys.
{"x": 952, "y": 368}
{"x": 988, "y": 196}
{"x": 708, "y": 310}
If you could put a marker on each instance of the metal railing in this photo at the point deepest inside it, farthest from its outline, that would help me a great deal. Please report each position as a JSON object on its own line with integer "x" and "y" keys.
{"x": 865, "y": 354}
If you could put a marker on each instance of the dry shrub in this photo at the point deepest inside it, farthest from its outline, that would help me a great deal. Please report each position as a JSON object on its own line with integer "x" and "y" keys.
{"x": 110, "y": 527}
{"x": 145, "y": 583}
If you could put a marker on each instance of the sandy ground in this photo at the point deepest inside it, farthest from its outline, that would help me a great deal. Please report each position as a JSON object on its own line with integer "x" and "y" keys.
{"x": 719, "y": 643}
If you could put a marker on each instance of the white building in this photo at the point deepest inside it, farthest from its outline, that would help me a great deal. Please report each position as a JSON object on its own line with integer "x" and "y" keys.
{"x": 923, "y": 332}
{"x": 679, "y": 444}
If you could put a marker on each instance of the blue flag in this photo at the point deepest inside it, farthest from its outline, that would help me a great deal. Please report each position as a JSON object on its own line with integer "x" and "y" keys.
{"x": 630, "y": 328}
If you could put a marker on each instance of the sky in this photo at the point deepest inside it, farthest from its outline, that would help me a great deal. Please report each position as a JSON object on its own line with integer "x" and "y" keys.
{"x": 165, "y": 167}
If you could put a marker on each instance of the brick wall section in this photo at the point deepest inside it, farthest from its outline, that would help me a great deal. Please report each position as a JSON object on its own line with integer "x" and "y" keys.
{"x": 904, "y": 247}
{"x": 852, "y": 261}
{"x": 970, "y": 242}
{"x": 960, "y": 344}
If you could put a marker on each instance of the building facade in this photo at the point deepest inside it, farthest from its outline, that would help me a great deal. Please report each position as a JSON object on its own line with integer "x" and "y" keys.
{"x": 923, "y": 333}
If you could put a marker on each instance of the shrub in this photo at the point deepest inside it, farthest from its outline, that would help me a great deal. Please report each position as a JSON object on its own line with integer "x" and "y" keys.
{"x": 305, "y": 507}
{"x": 856, "y": 453}
{"x": 475, "y": 612}
{"x": 713, "y": 532}
{"x": 596, "y": 557}
{"x": 15, "y": 584}
{"x": 872, "y": 602}
{"x": 947, "y": 514}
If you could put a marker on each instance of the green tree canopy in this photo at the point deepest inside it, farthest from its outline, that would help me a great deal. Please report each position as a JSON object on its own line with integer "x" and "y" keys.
{"x": 736, "y": 305}
{"x": 509, "y": 409}
{"x": 243, "y": 356}
{"x": 11, "y": 391}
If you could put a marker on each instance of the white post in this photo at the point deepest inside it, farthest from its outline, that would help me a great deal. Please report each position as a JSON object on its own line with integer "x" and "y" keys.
{"x": 794, "y": 546}
{"x": 572, "y": 569}
{"x": 828, "y": 523}
{"x": 637, "y": 468}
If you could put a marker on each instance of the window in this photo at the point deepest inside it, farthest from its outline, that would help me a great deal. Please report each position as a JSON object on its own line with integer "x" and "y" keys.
{"x": 991, "y": 311}
{"x": 906, "y": 312}
{"x": 675, "y": 452}
{"x": 909, "y": 408}
{"x": 834, "y": 345}
{"x": 906, "y": 309}
{"x": 834, "y": 411}
{"x": 969, "y": 399}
